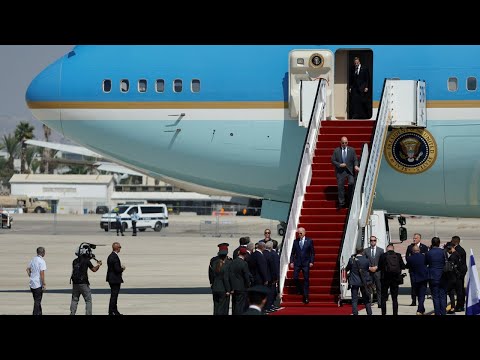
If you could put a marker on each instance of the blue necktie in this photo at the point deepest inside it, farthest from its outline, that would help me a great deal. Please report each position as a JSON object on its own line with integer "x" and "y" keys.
{"x": 344, "y": 155}
{"x": 301, "y": 244}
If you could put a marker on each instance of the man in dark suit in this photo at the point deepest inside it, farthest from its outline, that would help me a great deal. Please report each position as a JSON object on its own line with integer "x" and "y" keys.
{"x": 460, "y": 284}
{"x": 257, "y": 298}
{"x": 391, "y": 266}
{"x": 302, "y": 258}
{"x": 358, "y": 88}
{"x": 359, "y": 279}
{"x": 435, "y": 260}
{"x": 114, "y": 278}
{"x": 417, "y": 266}
{"x": 417, "y": 238}
{"x": 345, "y": 160}
{"x": 372, "y": 254}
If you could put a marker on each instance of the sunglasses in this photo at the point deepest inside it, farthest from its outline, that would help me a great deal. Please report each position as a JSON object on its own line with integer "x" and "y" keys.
{"x": 267, "y": 232}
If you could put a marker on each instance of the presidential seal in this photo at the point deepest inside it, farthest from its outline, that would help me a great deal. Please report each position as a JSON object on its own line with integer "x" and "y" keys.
{"x": 316, "y": 60}
{"x": 410, "y": 151}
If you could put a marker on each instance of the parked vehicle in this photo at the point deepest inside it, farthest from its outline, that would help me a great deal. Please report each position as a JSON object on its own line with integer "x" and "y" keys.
{"x": 7, "y": 220}
{"x": 26, "y": 203}
{"x": 154, "y": 216}
{"x": 102, "y": 209}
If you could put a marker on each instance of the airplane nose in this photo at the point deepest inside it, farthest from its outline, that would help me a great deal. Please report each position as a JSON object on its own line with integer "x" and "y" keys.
{"x": 45, "y": 87}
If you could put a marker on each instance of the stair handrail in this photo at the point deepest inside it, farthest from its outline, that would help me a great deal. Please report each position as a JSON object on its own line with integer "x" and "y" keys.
{"x": 352, "y": 230}
{"x": 362, "y": 201}
{"x": 304, "y": 176}
{"x": 384, "y": 116}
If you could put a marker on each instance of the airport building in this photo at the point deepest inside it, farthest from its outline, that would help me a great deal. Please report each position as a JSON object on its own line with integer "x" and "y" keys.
{"x": 85, "y": 194}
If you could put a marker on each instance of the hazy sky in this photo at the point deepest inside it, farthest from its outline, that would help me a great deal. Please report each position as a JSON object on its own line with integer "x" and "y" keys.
{"x": 19, "y": 64}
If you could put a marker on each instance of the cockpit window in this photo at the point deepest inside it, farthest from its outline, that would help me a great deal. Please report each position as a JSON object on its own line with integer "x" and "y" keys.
{"x": 160, "y": 85}
{"x": 124, "y": 85}
{"x": 195, "y": 85}
{"x": 177, "y": 85}
{"x": 142, "y": 85}
{"x": 471, "y": 83}
{"x": 452, "y": 84}
{"x": 107, "y": 85}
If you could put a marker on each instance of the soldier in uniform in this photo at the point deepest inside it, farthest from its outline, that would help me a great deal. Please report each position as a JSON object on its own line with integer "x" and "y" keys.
{"x": 221, "y": 283}
{"x": 211, "y": 271}
{"x": 240, "y": 282}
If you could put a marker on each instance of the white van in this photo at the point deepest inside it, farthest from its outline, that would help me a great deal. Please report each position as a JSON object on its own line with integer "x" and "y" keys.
{"x": 154, "y": 216}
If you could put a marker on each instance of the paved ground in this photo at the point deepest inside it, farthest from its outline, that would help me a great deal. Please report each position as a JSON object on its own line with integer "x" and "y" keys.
{"x": 166, "y": 272}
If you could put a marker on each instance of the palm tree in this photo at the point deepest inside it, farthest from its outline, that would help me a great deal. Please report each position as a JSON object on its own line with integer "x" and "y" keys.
{"x": 10, "y": 144}
{"x": 29, "y": 157}
{"x": 46, "y": 153}
{"x": 24, "y": 131}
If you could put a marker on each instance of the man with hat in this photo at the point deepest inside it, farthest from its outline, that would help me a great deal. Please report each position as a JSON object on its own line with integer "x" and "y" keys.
{"x": 240, "y": 282}
{"x": 221, "y": 246}
{"x": 257, "y": 297}
{"x": 221, "y": 282}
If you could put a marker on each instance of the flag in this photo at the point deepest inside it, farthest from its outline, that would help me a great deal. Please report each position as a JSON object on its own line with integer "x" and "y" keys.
{"x": 473, "y": 289}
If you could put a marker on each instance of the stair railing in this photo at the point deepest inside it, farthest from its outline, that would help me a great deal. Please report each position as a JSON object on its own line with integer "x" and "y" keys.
{"x": 304, "y": 176}
{"x": 363, "y": 196}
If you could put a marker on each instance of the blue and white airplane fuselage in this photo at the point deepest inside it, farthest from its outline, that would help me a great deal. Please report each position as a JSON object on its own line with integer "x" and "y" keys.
{"x": 235, "y": 134}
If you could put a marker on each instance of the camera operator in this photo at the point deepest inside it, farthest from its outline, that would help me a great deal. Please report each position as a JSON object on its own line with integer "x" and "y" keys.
{"x": 79, "y": 278}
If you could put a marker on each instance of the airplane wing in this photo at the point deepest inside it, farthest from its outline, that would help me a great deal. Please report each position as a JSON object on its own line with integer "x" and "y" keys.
{"x": 107, "y": 166}
{"x": 101, "y": 165}
{"x": 65, "y": 148}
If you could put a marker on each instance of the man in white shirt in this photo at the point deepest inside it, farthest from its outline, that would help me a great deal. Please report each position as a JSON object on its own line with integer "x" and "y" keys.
{"x": 36, "y": 272}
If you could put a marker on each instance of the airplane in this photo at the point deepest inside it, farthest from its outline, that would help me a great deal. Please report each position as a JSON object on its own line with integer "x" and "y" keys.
{"x": 224, "y": 120}
{"x": 237, "y": 120}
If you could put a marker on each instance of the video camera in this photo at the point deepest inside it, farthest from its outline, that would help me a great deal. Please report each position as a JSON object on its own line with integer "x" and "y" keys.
{"x": 85, "y": 249}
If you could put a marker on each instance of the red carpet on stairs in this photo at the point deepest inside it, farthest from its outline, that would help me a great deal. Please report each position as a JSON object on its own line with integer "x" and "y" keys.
{"x": 324, "y": 223}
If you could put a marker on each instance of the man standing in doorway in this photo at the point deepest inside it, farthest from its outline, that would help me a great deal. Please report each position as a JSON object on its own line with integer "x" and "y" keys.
{"x": 358, "y": 89}
{"x": 345, "y": 160}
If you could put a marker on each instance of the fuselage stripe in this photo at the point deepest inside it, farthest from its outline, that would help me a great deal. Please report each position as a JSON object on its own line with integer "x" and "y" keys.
{"x": 212, "y": 104}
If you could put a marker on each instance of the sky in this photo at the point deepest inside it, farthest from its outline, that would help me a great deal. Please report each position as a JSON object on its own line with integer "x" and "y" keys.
{"x": 19, "y": 64}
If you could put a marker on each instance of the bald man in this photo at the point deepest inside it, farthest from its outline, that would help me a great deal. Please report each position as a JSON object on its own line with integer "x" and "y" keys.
{"x": 345, "y": 161}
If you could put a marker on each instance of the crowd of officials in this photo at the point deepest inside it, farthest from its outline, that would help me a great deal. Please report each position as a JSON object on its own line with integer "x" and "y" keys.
{"x": 375, "y": 274}
{"x": 249, "y": 279}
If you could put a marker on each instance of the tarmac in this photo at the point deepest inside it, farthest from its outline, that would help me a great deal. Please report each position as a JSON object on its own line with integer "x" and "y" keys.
{"x": 167, "y": 271}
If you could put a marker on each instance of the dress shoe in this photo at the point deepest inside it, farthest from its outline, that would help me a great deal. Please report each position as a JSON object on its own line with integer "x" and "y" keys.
{"x": 460, "y": 309}
{"x": 305, "y": 300}
{"x": 413, "y": 303}
{"x": 420, "y": 313}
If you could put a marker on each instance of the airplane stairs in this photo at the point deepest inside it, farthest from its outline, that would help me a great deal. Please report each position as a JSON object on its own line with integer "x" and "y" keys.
{"x": 323, "y": 222}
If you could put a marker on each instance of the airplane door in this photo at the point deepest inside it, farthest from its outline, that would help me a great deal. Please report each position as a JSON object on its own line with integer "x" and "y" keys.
{"x": 309, "y": 65}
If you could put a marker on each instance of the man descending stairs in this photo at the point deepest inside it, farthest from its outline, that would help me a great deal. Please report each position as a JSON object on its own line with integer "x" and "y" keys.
{"x": 321, "y": 218}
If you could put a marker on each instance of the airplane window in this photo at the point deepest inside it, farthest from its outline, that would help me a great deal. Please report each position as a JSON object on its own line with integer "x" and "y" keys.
{"x": 177, "y": 85}
{"x": 107, "y": 85}
{"x": 142, "y": 85}
{"x": 195, "y": 85}
{"x": 452, "y": 84}
{"x": 471, "y": 83}
{"x": 124, "y": 85}
{"x": 160, "y": 85}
